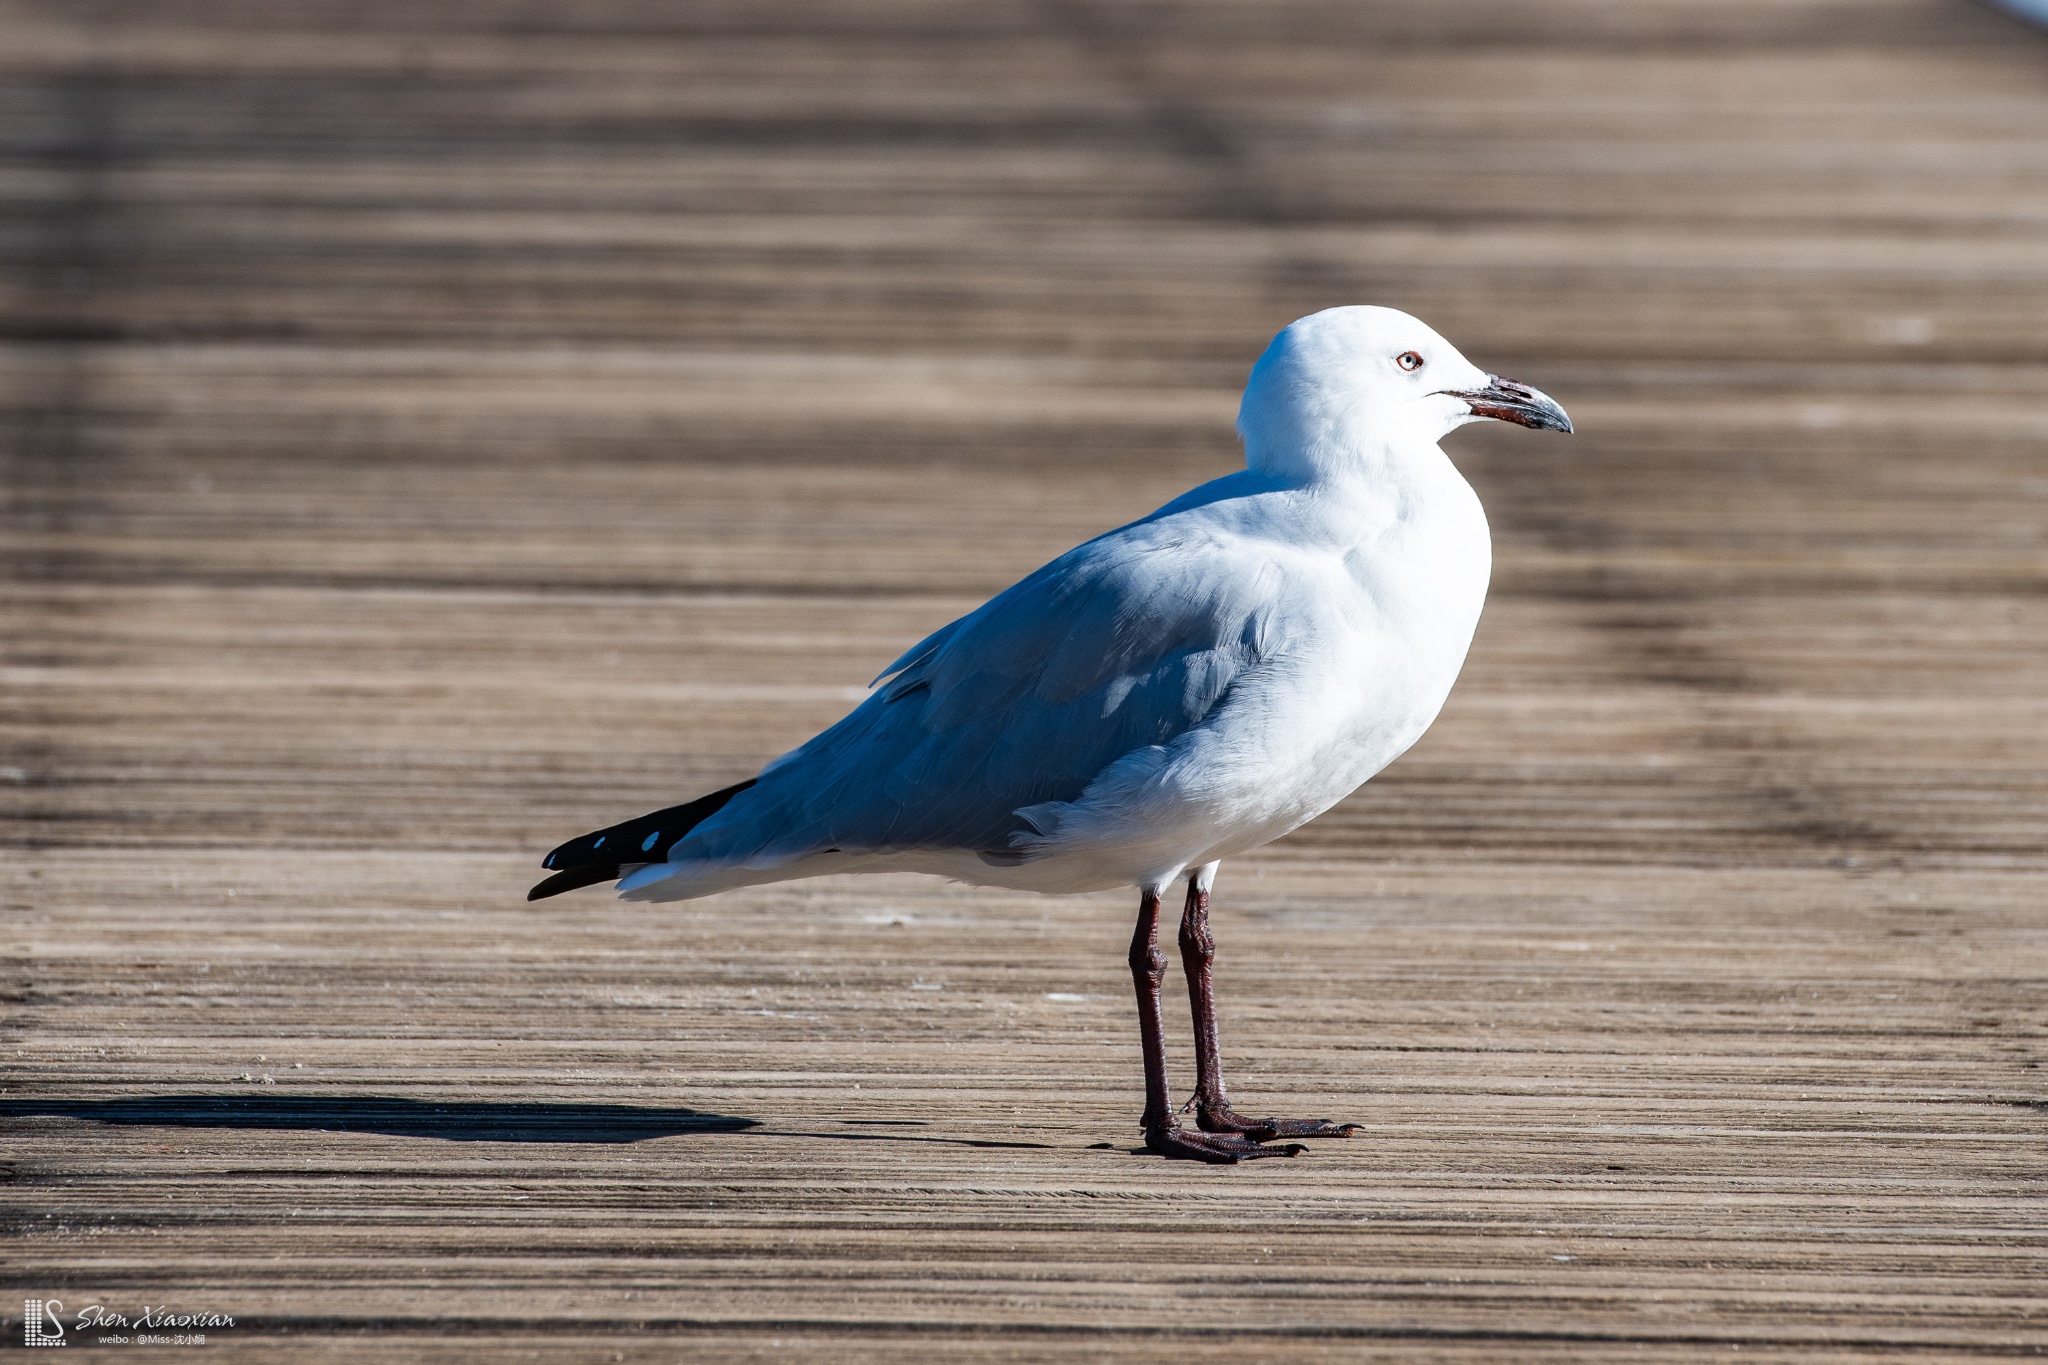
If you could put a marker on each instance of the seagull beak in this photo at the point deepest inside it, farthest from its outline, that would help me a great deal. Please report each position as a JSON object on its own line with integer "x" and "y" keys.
{"x": 1506, "y": 401}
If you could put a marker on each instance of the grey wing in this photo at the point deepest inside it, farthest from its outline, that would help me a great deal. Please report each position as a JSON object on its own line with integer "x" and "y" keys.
{"x": 1117, "y": 645}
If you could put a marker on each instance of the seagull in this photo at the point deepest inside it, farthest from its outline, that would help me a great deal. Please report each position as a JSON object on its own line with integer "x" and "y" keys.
{"x": 1172, "y": 693}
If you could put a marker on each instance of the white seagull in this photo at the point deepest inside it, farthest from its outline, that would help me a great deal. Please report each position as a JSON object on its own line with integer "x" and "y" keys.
{"x": 1176, "y": 691}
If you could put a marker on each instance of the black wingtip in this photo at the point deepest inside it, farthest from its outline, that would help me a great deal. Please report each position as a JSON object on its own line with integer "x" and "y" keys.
{"x": 570, "y": 880}
{"x": 598, "y": 855}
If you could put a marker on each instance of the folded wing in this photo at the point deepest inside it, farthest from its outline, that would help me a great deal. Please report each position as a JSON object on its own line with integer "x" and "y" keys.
{"x": 1126, "y": 642}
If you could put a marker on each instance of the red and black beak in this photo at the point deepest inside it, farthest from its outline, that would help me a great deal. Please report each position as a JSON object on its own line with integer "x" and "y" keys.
{"x": 1506, "y": 401}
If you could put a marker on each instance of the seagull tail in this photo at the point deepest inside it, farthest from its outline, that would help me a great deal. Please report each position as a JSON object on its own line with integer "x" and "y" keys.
{"x": 601, "y": 855}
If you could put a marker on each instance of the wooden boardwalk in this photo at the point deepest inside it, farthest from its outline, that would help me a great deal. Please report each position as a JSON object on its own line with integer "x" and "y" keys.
{"x": 431, "y": 431}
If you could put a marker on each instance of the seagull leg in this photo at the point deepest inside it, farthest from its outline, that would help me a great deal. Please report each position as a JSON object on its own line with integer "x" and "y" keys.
{"x": 1212, "y": 1100}
{"x": 1163, "y": 1133}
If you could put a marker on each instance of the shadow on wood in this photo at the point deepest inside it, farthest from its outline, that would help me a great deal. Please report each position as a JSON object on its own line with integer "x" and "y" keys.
{"x": 463, "y": 1121}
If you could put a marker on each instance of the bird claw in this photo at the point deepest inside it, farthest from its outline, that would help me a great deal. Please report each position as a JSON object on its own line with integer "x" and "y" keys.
{"x": 1218, "y": 1149}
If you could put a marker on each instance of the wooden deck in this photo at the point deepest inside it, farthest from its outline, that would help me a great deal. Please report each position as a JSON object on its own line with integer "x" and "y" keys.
{"x": 431, "y": 431}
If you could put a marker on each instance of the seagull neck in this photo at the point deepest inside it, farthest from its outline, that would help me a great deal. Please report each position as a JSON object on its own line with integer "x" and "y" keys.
{"x": 1350, "y": 460}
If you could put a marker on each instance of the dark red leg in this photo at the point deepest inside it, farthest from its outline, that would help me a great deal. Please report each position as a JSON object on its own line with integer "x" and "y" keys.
{"x": 1212, "y": 1100}
{"x": 1163, "y": 1133}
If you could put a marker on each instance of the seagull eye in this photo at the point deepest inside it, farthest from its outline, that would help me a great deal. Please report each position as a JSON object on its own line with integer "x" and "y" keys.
{"x": 1409, "y": 361}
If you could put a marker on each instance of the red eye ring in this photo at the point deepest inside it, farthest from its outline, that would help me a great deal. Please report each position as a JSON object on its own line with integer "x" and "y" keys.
{"x": 1410, "y": 361}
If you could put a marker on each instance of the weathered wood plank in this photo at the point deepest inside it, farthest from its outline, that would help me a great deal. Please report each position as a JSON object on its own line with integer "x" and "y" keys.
{"x": 432, "y": 432}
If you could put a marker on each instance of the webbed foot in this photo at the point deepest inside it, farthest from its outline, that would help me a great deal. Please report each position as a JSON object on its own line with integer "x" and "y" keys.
{"x": 1227, "y": 1121}
{"x": 1218, "y": 1149}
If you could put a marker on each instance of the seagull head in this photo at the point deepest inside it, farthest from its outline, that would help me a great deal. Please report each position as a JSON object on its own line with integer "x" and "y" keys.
{"x": 1350, "y": 382}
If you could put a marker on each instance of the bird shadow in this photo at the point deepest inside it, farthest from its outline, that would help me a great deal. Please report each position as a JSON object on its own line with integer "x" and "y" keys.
{"x": 450, "y": 1120}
